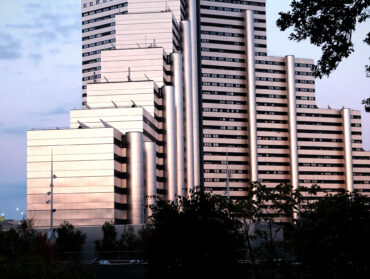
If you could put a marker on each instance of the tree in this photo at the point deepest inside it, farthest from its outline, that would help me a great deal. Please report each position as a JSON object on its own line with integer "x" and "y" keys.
{"x": 329, "y": 25}
{"x": 196, "y": 237}
{"x": 69, "y": 241}
{"x": 108, "y": 243}
{"x": 331, "y": 239}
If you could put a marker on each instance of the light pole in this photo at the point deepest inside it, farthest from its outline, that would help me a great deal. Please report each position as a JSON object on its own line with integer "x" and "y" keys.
{"x": 51, "y": 201}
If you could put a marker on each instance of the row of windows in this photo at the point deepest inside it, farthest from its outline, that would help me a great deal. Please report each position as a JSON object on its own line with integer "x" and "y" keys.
{"x": 98, "y": 27}
{"x": 305, "y": 89}
{"x": 221, "y": 84}
{"x": 320, "y": 165}
{"x": 314, "y": 181}
{"x": 91, "y": 61}
{"x": 104, "y": 9}
{"x": 222, "y": 136}
{"x": 319, "y": 123}
{"x": 270, "y": 71}
{"x": 98, "y": 19}
{"x": 274, "y": 96}
{"x": 227, "y": 59}
{"x": 303, "y": 81}
{"x": 320, "y": 148}
{"x": 227, "y": 9}
{"x": 265, "y": 62}
{"x": 229, "y": 128}
{"x": 225, "y": 171}
{"x": 222, "y": 93}
{"x": 224, "y": 110}
{"x": 219, "y": 50}
{"x": 93, "y": 69}
{"x": 99, "y": 43}
{"x": 250, "y": 3}
{"x": 209, "y": 75}
{"x": 305, "y": 98}
{"x": 93, "y": 77}
{"x": 299, "y": 73}
{"x": 306, "y": 106}
{"x": 92, "y": 3}
{"x": 271, "y": 79}
{"x": 230, "y": 162}
{"x": 271, "y": 138}
{"x": 229, "y": 119}
{"x": 98, "y": 35}
{"x": 319, "y": 140}
{"x": 227, "y": 145}
{"x": 231, "y": 26}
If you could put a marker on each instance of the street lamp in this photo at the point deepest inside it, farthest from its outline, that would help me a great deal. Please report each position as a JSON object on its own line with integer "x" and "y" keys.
{"x": 51, "y": 234}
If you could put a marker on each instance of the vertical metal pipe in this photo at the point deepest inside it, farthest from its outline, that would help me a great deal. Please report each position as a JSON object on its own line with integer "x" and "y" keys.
{"x": 187, "y": 55}
{"x": 294, "y": 174}
{"x": 347, "y": 139}
{"x": 150, "y": 176}
{"x": 252, "y": 115}
{"x": 135, "y": 158}
{"x": 178, "y": 82}
{"x": 193, "y": 7}
{"x": 170, "y": 138}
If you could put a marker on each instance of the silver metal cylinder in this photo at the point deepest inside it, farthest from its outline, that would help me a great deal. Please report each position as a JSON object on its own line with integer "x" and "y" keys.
{"x": 187, "y": 56}
{"x": 347, "y": 139}
{"x": 193, "y": 7}
{"x": 170, "y": 138}
{"x": 294, "y": 173}
{"x": 150, "y": 176}
{"x": 135, "y": 156}
{"x": 252, "y": 115}
{"x": 178, "y": 82}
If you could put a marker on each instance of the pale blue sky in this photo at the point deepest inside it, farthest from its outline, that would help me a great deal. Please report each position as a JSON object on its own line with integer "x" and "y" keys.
{"x": 40, "y": 79}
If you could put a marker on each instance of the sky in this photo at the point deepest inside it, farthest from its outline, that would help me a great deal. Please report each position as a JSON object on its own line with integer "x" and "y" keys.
{"x": 40, "y": 79}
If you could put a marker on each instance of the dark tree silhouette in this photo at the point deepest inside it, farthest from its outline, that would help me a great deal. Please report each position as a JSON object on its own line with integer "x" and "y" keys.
{"x": 196, "y": 238}
{"x": 70, "y": 241}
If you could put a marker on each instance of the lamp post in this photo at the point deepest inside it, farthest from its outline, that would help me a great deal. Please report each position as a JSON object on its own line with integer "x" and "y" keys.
{"x": 51, "y": 201}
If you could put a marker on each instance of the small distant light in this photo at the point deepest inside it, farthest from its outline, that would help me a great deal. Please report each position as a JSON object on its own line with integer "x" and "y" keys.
{"x": 17, "y": 209}
{"x": 3, "y": 214}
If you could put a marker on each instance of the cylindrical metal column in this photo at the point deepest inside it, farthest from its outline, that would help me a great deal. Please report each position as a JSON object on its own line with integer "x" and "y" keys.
{"x": 178, "y": 82}
{"x": 135, "y": 156}
{"x": 150, "y": 175}
{"x": 347, "y": 139}
{"x": 193, "y": 7}
{"x": 294, "y": 174}
{"x": 187, "y": 55}
{"x": 251, "y": 79}
{"x": 170, "y": 138}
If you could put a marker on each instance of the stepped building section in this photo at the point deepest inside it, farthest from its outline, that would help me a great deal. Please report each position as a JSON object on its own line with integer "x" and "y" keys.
{"x": 179, "y": 96}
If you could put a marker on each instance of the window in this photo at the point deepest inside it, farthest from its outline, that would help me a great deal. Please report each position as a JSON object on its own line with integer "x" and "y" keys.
{"x": 85, "y": 5}
{"x": 97, "y": 1}
{"x": 91, "y": 3}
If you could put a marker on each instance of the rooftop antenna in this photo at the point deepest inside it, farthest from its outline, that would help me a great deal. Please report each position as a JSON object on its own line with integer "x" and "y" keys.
{"x": 329, "y": 107}
{"x": 133, "y": 104}
{"x": 146, "y": 77}
{"x": 129, "y": 74}
{"x": 113, "y": 46}
{"x": 138, "y": 45}
{"x": 87, "y": 106}
{"x": 82, "y": 125}
{"x": 105, "y": 79}
{"x": 114, "y": 104}
{"x": 154, "y": 43}
{"x": 94, "y": 78}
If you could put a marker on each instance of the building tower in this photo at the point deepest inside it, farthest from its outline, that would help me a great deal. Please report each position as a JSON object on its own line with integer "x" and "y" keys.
{"x": 183, "y": 95}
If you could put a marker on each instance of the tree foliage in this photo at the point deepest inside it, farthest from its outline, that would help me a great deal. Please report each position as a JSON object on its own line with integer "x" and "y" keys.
{"x": 196, "y": 237}
{"x": 327, "y": 24}
{"x": 69, "y": 241}
{"x": 27, "y": 253}
{"x": 331, "y": 239}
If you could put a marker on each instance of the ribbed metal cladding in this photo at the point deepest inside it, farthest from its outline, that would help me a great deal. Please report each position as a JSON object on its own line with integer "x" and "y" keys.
{"x": 194, "y": 63}
{"x": 251, "y": 79}
{"x": 171, "y": 146}
{"x": 187, "y": 56}
{"x": 135, "y": 156}
{"x": 150, "y": 175}
{"x": 178, "y": 82}
{"x": 347, "y": 139}
{"x": 294, "y": 173}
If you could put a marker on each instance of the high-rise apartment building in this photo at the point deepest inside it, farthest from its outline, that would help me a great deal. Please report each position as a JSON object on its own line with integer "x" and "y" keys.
{"x": 180, "y": 95}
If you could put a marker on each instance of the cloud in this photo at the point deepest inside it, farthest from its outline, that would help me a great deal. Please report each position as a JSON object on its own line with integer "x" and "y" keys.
{"x": 10, "y": 47}
{"x": 45, "y": 37}
{"x": 54, "y": 51}
{"x": 58, "y": 110}
{"x": 36, "y": 57}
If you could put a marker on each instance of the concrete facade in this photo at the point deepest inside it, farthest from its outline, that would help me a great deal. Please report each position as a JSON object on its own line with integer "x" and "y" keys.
{"x": 185, "y": 96}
